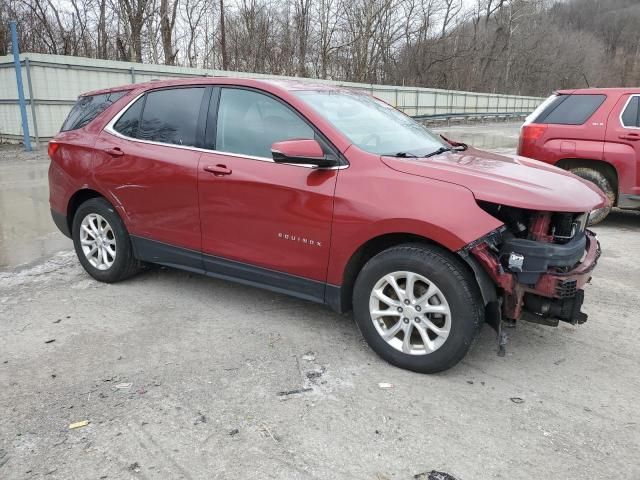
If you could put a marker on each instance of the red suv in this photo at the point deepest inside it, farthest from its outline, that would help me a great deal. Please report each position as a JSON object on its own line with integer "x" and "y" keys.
{"x": 594, "y": 133}
{"x": 328, "y": 195}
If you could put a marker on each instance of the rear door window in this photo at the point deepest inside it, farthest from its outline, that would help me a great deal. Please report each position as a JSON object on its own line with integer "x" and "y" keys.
{"x": 570, "y": 109}
{"x": 171, "y": 116}
{"x": 89, "y": 107}
{"x": 630, "y": 116}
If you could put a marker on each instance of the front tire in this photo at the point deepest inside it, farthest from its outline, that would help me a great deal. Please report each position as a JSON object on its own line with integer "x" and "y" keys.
{"x": 418, "y": 307}
{"x": 102, "y": 243}
{"x": 600, "y": 181}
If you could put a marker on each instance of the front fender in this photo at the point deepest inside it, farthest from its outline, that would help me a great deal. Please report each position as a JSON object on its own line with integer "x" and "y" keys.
{"x": 394, "y": 202}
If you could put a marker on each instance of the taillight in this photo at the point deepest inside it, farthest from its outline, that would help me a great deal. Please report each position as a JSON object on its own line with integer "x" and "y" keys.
{"x": 53, "y": 148}
{"x": 533, "y": 131}
{"x": 529, "y": 134}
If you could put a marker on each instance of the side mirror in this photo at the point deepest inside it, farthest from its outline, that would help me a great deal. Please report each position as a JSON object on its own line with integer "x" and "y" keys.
{"x": 301, "y": 152}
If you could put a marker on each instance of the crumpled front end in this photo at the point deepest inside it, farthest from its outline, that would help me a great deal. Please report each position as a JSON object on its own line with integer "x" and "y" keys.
{"x": 539, "y": 263}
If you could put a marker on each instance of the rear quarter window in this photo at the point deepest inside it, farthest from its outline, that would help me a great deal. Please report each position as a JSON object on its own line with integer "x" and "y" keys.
{"x": 89, "y": 107}
{"x": 570, "y": 109}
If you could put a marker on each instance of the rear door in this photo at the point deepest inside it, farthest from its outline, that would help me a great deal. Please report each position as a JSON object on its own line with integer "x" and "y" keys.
{"x": 147, "y": 162}
{"x": 265, "y": 222}
{"x": 622, "y": 148}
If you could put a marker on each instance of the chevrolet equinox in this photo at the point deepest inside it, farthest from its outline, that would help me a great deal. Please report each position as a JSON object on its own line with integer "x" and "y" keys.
{"x": 328, "y": 195}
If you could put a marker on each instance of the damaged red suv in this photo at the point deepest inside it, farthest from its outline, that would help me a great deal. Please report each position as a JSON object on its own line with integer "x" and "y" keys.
{"x": 328, "y": 195}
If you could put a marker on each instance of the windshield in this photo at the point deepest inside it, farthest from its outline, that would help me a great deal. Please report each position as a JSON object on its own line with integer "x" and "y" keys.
{"x": 372, "y": 125}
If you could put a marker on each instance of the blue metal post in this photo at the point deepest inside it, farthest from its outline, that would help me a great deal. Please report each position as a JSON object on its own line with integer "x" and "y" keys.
{"x": 23, "y": 103}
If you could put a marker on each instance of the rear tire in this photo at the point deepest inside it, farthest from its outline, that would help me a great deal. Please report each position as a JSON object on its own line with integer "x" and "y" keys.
{"x": 600, "y": 181}
{"x": 102, "y": 242}
{"x": 437, "y": 301}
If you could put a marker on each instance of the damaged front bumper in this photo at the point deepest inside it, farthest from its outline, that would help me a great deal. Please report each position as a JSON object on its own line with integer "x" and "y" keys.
{"x": 536, "y": 281}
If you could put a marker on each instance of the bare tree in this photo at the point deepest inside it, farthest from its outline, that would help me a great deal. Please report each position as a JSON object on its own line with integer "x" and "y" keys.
{"x": 507, "y": 46}
{"x": 167, "y": 23}
{"x": 135, "y": 14}
{"x": 451, "y": 10}
{"x": 194, "y": 13}
{"x": 303, "y": 21}
{"x": 102, "y": 40}
{"x": 223, "y": 38}
{"x": 327, "y": 14}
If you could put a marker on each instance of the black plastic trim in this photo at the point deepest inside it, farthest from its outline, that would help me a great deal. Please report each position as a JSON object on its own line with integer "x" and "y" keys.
{"x": 212, "y": 119}
{"x": 629, "y": 201}
{"x": 333, "y": 298}
{"x": 486, "y": 285}
{"x": 165, "y": 254}
{"x": 60, "y": 220}
{"x": 264, "y": 278}
{"x": 177, "y": 257}
{"x": 202, "y": 118}
{"x": 539, "y": 256}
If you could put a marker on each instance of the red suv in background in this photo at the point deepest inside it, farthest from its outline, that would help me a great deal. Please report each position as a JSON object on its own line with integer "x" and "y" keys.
{"x": 594, "y": 133}
{"x": 328, "y": 195}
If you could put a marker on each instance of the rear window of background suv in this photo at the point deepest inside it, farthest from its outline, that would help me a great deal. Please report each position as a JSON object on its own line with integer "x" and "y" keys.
{"x": 570, "y": 109}
{"x": 89, "y": 107}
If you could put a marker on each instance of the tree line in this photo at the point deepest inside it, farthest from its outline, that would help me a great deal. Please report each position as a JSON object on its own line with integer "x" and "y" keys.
{"x": 525, "y": 47}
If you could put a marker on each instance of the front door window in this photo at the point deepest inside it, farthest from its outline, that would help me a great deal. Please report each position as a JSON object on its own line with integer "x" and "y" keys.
{"x": 250, "y": 122}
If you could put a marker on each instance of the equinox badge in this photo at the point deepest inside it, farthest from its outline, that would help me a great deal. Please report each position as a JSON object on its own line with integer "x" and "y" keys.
{"x": 297, "y": 238}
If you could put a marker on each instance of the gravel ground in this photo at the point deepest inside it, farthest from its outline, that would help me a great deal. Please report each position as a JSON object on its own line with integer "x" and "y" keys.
{"x": 182, "y": 376}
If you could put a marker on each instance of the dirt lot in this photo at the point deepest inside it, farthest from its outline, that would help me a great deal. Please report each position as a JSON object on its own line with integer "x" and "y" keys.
{"x": 181, "y": 376}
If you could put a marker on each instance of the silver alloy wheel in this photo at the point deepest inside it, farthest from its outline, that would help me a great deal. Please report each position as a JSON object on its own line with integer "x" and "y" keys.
{"x": 98, "y": 241}
{"x": 410, "y": 313}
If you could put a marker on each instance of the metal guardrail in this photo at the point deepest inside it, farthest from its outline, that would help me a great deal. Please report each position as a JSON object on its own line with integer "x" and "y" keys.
{"x": 448, "y": 116}
{"x": 434, "y": 117}
{"x": 27, "y": 101}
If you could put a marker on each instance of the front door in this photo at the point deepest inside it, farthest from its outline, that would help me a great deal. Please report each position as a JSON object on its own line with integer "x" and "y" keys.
{"x": 267, "y": 223}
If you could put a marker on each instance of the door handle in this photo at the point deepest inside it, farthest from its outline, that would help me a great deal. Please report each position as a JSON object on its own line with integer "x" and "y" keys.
{"x": 633, "y": 137}
{"x": 114, "y": 152}
{"x": 218, "y": 170}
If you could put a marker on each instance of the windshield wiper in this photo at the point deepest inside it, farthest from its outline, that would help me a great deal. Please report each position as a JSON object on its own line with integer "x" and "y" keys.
{"x": 438, "y": 151}
{"x": 456, "y": 148}
{"x": 401, "y": 155}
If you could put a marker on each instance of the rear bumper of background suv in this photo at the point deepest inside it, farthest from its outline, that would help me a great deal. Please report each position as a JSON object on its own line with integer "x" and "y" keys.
{"x": 545, "y": 282}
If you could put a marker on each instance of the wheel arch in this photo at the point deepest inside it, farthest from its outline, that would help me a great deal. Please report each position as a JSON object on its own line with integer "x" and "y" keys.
{"x": 77, "y": 199}
{"x": 605, "y": 168}
{"x": 339, "y": 298}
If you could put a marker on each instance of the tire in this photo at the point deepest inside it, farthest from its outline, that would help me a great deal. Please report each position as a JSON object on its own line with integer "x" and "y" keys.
{"x": 600, "y": 181}
{"x": 119, "y": 262}
{"x": 457, "y": 291}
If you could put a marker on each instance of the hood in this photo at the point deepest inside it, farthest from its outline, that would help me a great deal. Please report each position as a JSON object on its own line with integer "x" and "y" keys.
{"x": 507, "y": 180}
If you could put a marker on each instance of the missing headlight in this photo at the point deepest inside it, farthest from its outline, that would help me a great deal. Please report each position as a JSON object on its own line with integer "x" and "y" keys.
{"x": 516, "y": 219}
